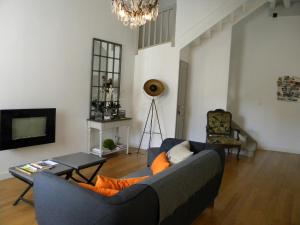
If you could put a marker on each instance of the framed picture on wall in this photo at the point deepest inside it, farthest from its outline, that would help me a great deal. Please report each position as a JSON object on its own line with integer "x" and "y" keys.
{"x": 288, "y": 89}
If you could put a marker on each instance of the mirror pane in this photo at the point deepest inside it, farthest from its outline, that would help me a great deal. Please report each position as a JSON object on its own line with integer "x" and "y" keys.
{"x": 96, "y": 47}
{"x": 115, "y": 95}
{"x": 101, "y": 94}
{"x": 110, "y": 50}
{"x": 95, "y": 78}
{"x": 110, "y": 65}
{"x": 117, "y": 66}
{"x": 117, "y": 51}
{"x": 96, "y": 63}
{"x": 102, "y": 78}
{"x": 103, "y": 49}
{"x": 94, "y": 93}
{"x": 109, "y": 79}
{"x": 116, "y": 80}
{"x": 103, "y": 63}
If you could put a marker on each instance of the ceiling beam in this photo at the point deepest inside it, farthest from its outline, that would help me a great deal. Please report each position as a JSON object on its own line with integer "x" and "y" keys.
{"x": 287, "y": 3}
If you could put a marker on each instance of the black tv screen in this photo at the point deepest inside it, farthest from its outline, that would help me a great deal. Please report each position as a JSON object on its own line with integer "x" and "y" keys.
{"x": 26, "y": 127}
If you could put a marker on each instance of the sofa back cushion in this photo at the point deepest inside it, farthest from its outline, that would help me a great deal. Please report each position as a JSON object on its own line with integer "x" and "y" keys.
{"x": 179, "y": 152}
{"x": 169, "y": 143}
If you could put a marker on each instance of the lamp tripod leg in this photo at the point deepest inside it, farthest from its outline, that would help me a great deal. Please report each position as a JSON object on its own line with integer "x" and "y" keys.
{"x": 144, "y": 129}
{"x": 158, "y": 120}
{"x": 151, "y": 121}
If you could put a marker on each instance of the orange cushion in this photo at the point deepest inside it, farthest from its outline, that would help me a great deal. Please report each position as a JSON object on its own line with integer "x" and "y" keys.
{"x": 160, "y": 163}
{"x": 117, "y": 184}
{"x": 103, "y": 191}
{"x": 110, "y": 186}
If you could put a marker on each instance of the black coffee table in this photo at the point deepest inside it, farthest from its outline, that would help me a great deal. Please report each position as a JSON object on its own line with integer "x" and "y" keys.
{"x": 58, "y": 170}
{"x": 79, "y": 161}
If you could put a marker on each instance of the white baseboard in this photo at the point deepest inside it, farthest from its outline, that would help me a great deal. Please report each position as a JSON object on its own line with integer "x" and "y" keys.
{"x": 5, "y": 175}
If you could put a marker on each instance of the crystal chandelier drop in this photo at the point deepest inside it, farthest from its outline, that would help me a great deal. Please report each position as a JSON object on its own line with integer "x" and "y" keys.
{"x": 135, "y": 12}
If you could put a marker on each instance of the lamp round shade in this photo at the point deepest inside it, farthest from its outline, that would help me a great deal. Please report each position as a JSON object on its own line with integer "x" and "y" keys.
{"x": 154, "y": 87}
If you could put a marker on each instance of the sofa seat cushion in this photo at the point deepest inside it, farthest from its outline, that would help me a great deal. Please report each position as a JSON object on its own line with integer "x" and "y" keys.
{"x": 140, "y": 173}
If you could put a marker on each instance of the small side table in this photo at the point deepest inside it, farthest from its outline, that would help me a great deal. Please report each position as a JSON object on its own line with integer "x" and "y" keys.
{"x": 58, "y": 170}
{"x": 105, "y": 125}
{"x": 79, "y": 161}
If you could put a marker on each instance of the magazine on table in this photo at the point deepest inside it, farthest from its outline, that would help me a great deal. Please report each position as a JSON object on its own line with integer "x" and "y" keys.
{"x": 44, "y": 164}
{"x": 36, "y": 166}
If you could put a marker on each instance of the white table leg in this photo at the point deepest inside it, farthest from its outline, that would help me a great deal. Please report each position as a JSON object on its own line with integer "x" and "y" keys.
{"x": 127, "y": 139}
{"x": 89, "y": 140}
{"x": 100, "y": 142}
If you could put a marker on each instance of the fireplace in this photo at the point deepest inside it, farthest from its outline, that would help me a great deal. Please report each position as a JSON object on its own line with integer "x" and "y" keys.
{"x": 26, "y": 127}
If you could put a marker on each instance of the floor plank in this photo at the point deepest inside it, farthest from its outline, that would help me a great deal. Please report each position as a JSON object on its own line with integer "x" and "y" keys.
{"x": 264, "y": 190}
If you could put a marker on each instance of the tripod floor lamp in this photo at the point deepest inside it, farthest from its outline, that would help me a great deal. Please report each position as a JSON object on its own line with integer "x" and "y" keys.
{"x": 153, "y": 88}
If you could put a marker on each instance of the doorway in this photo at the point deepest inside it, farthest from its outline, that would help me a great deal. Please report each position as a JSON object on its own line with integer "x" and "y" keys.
{"x": 180, "y": 114}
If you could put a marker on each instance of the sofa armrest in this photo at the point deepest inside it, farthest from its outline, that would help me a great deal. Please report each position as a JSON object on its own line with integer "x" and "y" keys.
{"x": 151, "y": 155}
{"x": 220, "y": 150}
{"x": 62, "y": 203}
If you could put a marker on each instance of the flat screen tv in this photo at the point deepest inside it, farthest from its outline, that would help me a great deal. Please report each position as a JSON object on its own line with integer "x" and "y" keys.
{"x": 26, "y": 127}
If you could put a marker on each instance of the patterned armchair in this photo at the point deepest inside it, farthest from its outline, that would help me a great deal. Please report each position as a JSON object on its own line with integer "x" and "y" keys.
{"x": 219, "y": 131}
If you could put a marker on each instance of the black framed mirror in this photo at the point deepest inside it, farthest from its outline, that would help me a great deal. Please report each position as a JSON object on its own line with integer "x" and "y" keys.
{"x": 105, "y": 80}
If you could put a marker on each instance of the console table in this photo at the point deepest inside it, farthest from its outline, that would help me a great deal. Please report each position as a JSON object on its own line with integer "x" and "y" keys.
{"x": 101, "y": 126}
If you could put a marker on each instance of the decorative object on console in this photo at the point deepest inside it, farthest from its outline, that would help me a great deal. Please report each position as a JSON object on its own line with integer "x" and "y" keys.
{"x": 288, "y": 89}
{"x": 135, "y": 12}
{"x": 153, "y": 88}
{"x": 105, "y": 80}
{"x": 109, "y": 144}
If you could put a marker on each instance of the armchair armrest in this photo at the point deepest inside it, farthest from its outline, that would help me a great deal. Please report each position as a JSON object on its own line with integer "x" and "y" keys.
{"x": 151, "y": 155}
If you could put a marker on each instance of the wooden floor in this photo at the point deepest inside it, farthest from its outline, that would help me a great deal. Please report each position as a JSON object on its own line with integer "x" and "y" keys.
{"x": 260, "y": 191}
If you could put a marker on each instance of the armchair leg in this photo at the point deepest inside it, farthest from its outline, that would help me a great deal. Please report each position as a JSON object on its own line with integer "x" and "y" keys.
{"x": 238, "y": 153}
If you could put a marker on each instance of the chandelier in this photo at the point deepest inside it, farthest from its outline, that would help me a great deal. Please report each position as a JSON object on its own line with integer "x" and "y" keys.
{"x": 135, "y": 12}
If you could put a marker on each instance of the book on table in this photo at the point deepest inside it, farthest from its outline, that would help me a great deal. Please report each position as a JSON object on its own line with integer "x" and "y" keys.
{"x": 44, "y": 164}
{"x": 36, "y": 166}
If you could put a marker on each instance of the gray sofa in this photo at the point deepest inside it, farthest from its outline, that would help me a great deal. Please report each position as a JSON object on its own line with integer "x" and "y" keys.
{"x": 174, "y": 197}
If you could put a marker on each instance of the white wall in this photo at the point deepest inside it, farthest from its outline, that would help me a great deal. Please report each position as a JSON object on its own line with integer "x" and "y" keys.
{"x": 194, "y": 17}
{"x": 207, "y": 82}
{"x": 165, "y": 4}
{"x": 45, "y": 60}
{"x": 263, "y": 49}
{"x": 160, "y": 63}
